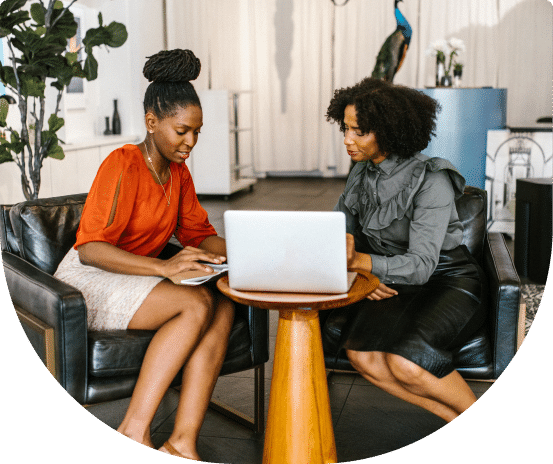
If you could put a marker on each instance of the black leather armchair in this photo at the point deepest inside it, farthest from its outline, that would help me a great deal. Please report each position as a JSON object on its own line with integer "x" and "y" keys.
{"x": 101, "y": 366}
{"x": 488, "y": 352}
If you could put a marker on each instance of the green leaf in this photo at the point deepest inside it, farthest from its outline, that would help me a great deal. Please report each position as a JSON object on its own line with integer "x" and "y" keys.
{"x": 118, "y": 34}
{"x": 58, "y": 5}
{"x": 64, "y": 76}
{"x": 40, "y": 30}
{"x": 90, "y": 67}
{"x": 4, "y": 107}
{"x": 56, "y": 152}
{"x": 5, "y": 155}
{"x": 9, "y": 21}
{"x": 96, "y": 36}
{"x": 15, "y": 145}
{"x": 8, "y": 76}
{"x": 58, "y": 85}
{"x": 31, "y": 86}
{"x": 71, "y": 57}
{"x": 37, "y": 13}
{"x": 66, "y": 26}
{"x": 55, "y": 123}
{"x": 100, "y": 19}
{"x": 9, "y": 6}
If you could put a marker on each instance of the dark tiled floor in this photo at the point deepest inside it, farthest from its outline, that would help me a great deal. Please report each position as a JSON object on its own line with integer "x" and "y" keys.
{"x": 367, "y": 421}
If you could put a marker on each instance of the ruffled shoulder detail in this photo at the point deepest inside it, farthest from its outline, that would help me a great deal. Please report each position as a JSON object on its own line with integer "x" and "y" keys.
{"x": 377, "y": 217}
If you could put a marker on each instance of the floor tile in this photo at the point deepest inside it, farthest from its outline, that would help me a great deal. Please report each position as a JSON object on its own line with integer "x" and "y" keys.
{"x": 374, "y": 420}
{"x": 239, "y": 394}
{"x": 230, "y": 450}
{"x": 113, "y": 412}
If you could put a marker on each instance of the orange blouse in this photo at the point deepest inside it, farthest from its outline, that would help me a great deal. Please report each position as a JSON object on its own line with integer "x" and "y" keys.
{"x": 143, "y": 222}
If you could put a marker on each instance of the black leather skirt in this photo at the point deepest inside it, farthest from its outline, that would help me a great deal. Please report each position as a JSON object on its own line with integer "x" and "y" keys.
{"x": 423, "y": 323}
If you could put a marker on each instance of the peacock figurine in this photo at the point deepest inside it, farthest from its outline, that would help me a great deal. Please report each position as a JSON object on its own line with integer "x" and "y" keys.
{"x": 393, "y": 51}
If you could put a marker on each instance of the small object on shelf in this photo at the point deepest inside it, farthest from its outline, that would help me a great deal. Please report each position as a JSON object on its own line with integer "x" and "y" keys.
{"x": 108, "y": 130}
{"x": 440, "y": 71}
{"x": 115, "y": 120}
{"x": 446, "y": 81}
{"x": 457, "y": 74}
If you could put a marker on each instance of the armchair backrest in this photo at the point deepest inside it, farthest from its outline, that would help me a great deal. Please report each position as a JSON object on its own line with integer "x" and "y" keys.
{"x": 472, "y": 209}
{"x": 42, "y": 231}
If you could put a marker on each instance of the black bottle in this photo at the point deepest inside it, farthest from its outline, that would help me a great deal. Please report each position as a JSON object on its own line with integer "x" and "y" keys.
{"x": 115, "y": 121}
{"x": 108, "y": 130}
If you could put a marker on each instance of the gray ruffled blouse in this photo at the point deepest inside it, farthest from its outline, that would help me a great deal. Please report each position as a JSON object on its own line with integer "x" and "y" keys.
{"x": 402, "y": 212}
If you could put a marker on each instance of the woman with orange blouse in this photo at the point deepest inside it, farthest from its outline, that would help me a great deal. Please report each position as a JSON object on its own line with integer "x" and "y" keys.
{"x": 141, "y": 196}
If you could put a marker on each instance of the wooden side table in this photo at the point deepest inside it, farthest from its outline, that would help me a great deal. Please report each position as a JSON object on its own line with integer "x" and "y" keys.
{"x": 299, "y": 424}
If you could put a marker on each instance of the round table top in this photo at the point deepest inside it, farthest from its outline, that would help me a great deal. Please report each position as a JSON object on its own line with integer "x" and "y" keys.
{"x": 364, "y": 284}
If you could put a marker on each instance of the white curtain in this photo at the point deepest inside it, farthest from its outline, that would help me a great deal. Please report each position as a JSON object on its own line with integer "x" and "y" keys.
{"x": 293, "y": 53}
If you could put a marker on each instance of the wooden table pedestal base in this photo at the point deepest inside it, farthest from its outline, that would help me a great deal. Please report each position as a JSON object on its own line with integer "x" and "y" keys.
{"x": 299, "y": 424}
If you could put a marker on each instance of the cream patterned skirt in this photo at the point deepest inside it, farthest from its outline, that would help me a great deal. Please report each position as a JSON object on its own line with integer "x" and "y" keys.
{"x": 111, "y": 299}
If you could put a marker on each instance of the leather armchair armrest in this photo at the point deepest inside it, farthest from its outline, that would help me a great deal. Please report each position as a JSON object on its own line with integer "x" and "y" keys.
{"x": 504, "y": 300}
{"x": 60, "y": 306}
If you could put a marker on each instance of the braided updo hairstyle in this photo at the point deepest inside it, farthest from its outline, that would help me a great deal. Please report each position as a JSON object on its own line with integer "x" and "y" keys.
{"x": 170, "y": 73}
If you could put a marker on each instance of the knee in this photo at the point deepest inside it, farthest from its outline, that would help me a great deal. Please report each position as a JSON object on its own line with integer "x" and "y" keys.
{"x": 201, "y": 306}
{"x": 404, "y": 370}
{"x": 366, "y": 363}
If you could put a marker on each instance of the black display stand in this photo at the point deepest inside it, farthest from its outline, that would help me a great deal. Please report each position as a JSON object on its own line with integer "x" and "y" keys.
{"x": 533, "y": 228}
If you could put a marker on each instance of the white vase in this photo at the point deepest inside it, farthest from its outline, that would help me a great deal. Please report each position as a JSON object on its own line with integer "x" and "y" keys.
{"x": 440, "y": 72}
{"x": 457, "y": 75}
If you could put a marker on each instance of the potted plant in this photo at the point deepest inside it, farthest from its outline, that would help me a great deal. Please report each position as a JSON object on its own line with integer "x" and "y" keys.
{"x": 457, "y": 74}
{"x": 38, "y": 53}
{"x": 441, "y": 49}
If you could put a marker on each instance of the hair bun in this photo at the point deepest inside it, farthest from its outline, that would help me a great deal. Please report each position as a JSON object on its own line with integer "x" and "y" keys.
{"x": 172, "y": 66}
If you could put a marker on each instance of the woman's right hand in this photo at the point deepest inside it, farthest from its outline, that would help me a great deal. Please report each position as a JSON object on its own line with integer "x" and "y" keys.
{"x": 381, "y": 293}
{"x": 187, "y": 260}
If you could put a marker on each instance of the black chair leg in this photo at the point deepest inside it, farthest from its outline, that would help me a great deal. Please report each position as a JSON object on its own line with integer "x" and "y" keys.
{"x": 257, "y": 423}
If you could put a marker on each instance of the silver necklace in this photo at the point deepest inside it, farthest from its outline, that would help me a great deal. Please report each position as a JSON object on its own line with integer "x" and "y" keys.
{"x": 159, "y": 180}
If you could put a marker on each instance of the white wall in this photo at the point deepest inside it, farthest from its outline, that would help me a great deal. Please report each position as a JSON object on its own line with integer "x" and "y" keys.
{"x": 120, "y": 69}
{"x": 228, "y": 43}
{"x": 119, "y": 77}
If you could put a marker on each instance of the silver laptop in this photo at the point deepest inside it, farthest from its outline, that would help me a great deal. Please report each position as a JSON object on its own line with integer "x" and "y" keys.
{"x": 287, "y": 251}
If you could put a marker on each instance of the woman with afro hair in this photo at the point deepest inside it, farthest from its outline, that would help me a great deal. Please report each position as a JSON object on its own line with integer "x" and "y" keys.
{"x": 402, "y": 226}
{"x": 141, "y": 196}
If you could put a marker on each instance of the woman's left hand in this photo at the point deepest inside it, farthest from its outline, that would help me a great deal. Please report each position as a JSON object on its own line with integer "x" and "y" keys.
{"x": 381, "y": 293}
{"x": 357, "y": 260}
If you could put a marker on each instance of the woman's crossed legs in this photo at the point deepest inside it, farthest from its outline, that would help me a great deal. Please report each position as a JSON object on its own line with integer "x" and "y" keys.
{"x": 446, "y": 397}
{"x": 193, "y": 326}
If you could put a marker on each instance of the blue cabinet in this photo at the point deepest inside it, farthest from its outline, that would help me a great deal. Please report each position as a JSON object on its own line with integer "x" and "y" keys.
{"x": 462, "y": 126}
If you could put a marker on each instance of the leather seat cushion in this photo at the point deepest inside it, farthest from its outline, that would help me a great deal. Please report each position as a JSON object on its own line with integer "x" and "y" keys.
{"x": 46, "y": 229}
{"x": 121, "y": 352}
{"x": 476, "y": 352}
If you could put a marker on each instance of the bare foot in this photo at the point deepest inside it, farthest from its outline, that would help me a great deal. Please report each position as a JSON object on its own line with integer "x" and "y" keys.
{"x": 170, "y": 449}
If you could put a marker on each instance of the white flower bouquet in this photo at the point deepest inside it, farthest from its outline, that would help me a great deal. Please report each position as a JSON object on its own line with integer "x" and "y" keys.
{"x": 442, "y": 48}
